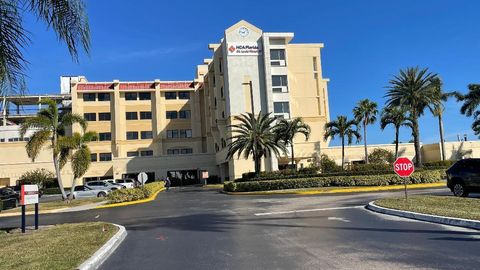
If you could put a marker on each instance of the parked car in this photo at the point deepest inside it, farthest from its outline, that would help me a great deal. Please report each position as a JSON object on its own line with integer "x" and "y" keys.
{"x": 127, "y": 183}
{"x": 114, "y": 182}
{"x": 9, "y": 198}
{"x": 463, "y": 177}
{"x": 103, "y": 185}
{"x": 86, "y": 192}
{"x": 18, "y": 190}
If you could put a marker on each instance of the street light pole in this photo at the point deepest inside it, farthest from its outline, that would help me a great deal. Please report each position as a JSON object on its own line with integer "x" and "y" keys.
{"x": 251, "y": 96}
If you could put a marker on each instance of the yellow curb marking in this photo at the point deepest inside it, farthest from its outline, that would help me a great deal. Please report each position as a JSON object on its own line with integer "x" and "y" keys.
{"x": 341, "y": 190}
{"x": 149, "y": 199}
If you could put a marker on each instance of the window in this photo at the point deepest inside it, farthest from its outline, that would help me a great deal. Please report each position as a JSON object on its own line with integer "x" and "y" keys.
{"x": 184, "y": 114}
{"x": 277, "y": 57}
{"x": 172, "y": 134}
{"x": 90, "y": 116}
{"x": 279, "y": 80}
{"x": 145, "y": 96}
{"x": 105, "y": 156}
{"x": 170, "y": 95}
{"x": 146, "y": 135}
{"x": 281, "y": 107}
{"x": 103, "y": 96}
{"x": 106, "y": 136}
{"x": 186, "y": 151}
{"x": 172, "y": 115}
{"x": 315, "y": 64}
{"x": 132, "y": 135}
{"x": 172, "y": 151}
{"x": 146, "y": 153}
{"x": 89, "y": 97}
{"x": 132, "y": 154}
{"x": 185, "y": 133}
{"x": 215, "y": 101}
{"x": 145, "y": 115}
{"x": 130, "y": 96}
{"x": 221, "y": 92}
{"x": 2, "y": 140}
{"x": 93, "y": 157}
{"x": 131, "y": 115}
{"x": 104, "y": 116}
{"x": 184, "y": 95}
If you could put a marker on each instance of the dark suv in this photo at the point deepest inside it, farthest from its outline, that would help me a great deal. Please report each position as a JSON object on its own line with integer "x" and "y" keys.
{"x": 464, "y": 177}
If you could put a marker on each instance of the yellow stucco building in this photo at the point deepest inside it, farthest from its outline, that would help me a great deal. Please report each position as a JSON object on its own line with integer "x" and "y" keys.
{"x": 179, "y": 128}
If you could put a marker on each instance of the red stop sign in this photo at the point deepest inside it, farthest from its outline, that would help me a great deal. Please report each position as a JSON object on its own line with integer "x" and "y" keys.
{"x": 403, "y": 167}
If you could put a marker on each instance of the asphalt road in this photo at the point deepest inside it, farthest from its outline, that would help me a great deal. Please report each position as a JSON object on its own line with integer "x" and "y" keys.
{"x": 194, "y": 228}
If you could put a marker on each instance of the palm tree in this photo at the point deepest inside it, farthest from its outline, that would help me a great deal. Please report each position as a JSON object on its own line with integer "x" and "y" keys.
{"x": 397, "y": 117}
{"x": 342, "y": 127}
{"x": 254, "y": 136}
{"x": 286, "y": 130}
{"x": 365, "y": 113}
{"x": 75, "y": 149}
{"x": 438, "y": 109}
{"x": 67, "y": 18}
{"x": 471, "y": 101}
{"x": 48, "y": 126}
{"x": 412, "y": 90}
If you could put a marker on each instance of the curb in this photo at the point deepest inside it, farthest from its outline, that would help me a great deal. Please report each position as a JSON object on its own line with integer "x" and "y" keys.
{"x": 458, "y": 222}
{"x": 102, "y": 254}
{"x": 54, "y": 211}
{"x": 149, "y": 199}
{"x": 340, "y": 190}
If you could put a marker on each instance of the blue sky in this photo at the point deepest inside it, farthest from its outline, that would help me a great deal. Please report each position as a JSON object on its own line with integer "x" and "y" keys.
{"x": 366, "y": 42}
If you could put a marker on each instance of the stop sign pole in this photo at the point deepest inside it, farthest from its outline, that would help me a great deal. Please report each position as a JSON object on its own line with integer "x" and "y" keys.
{"x": 404, "y": 167}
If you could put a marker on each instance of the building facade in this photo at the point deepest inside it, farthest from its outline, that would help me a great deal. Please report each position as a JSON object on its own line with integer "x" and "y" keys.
{"x": 180, "y": 128}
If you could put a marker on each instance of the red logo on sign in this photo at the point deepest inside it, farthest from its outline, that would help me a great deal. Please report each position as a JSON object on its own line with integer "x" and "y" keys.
{"x": 403, "y": 167}
{"x": 232, "y": 48}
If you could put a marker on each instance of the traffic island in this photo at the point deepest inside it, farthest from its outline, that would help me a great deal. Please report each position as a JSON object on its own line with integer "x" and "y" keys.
{"x": 448, "y": 210}
{"x": 65, "y": 246}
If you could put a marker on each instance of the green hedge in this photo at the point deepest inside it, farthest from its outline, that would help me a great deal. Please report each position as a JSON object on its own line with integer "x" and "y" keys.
{"x": 135, "y": 194}
{"x": 424, "y": 176}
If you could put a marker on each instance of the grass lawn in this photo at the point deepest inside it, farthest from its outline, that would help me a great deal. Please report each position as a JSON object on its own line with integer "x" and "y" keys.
{"x": 56, "y": 205}
{"x": 63, "y": 246}
{"x": 449, "y": 206}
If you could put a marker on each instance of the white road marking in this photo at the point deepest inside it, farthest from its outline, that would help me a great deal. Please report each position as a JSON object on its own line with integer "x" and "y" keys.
{"x": 339, "y": 219}
{"x": 308, "y": 210}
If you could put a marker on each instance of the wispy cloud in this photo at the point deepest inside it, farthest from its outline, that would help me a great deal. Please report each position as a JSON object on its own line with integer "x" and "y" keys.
{"x": 134, "y": 54}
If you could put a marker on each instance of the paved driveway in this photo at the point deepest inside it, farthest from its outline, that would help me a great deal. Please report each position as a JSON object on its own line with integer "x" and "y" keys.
{"x": 193, "y": 228}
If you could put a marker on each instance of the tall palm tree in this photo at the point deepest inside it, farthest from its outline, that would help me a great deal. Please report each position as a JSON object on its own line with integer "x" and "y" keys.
{"x": 48, "y": 126}
{"x": 365, "y": 113}
{"x": 412, "y": 90}
{"x": 254, "y": 136}
{"x": 286, "y": 130}
{"x": 471, "y": 101}
{"x": 75, "y": 149}
{"x": 438, "y": 109}
{"x": 342, "y": 127}
{"x": 397, "y": 117}
{"x": 67, "y": 18}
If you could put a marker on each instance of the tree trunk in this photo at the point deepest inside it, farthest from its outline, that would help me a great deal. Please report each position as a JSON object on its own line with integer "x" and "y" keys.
{"x": 416, "y": 141}
{"x": 442, "y": 140}
{"x": 397, "y": 131}
{"x": 74, "y": 183}
{"x": 293, "y": 156}
{"x": 365, "y": 141}
{"x": 343, "y": 152}
{"x": 59, "y": 176}
{"x": 257, "y": 165}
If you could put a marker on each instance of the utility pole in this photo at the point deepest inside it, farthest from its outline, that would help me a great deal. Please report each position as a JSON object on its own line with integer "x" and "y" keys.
{"x": 251, "y": 96}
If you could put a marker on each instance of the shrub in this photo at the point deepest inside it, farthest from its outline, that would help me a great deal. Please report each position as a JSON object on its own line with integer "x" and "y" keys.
{"x": 135, "y": 194}
{"x": 328, "y": 165}
{"x": 41, "y": 177}
{"x": 381, "y": 156}
{"x": 439, "y": 164}
{"x": 309, "y": 170}
{"x": 372, "y": 167}
{"x": 422, "y": 176}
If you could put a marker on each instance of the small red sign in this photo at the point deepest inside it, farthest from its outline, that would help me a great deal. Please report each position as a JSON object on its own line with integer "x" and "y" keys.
{"x": 403, "y": 167}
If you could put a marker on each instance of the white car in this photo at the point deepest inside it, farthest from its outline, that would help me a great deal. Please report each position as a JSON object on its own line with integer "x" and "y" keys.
{"x": 86, "y": 192}
{"x": 103, "y": 185}
{"x": 127, "y": 183}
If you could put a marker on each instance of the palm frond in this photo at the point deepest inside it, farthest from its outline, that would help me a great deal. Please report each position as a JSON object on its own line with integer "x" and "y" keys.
{"x": 37, "y": 142}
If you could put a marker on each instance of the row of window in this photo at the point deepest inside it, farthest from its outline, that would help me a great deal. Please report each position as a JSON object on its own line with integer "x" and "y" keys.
{"x": 181, "y": 95}
{"x": 183, "y": 114}
{"x": 179, "y": 151}
{"x": 105, "y": 116}
{"x": 96, "y": 96}
{"x": 145, "y": 153}
{"x": 25, "y": 139}
{"x": 179, "y": 133}
{"x": 90, "y": 97}
{"x": 138, "y": 96}
{"x": 101, "y": 157}
{"x": 134, "y": 115}
{"x": 144, "y": 135}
